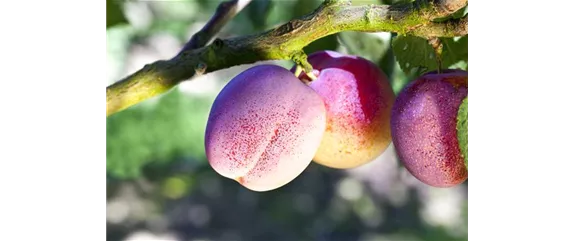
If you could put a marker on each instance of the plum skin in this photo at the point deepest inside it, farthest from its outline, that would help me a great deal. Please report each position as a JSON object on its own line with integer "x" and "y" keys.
{"x": 264, "y": 128}
{"x": 358, "y": 98}
{"x": 424, "y": 130}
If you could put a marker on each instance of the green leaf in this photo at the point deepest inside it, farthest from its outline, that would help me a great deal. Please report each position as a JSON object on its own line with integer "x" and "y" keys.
{"x": 462, "y": 129}
{"x": 460, "y": 13}
{"x": 454, "y": 51}
{"x": 362, "y": 44}
{"x": 114, "y": 13}
{"x": 414, "y": 54}
{"x": 400, "y": 79}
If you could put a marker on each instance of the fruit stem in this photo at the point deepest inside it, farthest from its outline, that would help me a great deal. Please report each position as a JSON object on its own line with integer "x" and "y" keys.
{"x": 300, "y": 59}
{"x": 298, "y": 70}
{"x": 437, "y": 46}
{"x": 311, "y": 76}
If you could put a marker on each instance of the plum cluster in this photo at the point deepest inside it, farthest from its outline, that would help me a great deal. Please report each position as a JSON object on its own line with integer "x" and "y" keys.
{"x": 267, "y": 124}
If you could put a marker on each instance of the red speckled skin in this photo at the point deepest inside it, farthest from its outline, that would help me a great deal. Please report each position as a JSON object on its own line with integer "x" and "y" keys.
{"x": 424, "y": 127}
{"x": 358, "y": 98}
{"x": 264, "y": 128}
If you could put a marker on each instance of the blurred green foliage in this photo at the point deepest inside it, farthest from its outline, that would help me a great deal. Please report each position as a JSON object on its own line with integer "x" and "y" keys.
{"x": 172, "y": 127}
{"x": 364, "y": 45}
{"x": 114, "y": 13}
{"x": 156, "y": 157}
{"x": 258, "y": 12}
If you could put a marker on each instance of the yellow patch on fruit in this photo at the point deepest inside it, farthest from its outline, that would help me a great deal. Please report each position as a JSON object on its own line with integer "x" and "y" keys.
{"x": 352, "y": 149}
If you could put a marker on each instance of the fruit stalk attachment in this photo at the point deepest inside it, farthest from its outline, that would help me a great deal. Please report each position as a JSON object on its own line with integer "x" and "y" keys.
{"x": 437, "y": 46}
{"x": 300, "y": 59}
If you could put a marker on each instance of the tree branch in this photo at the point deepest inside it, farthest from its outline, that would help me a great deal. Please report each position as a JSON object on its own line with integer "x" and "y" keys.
{"x": 287, "y": 42}
{"x": 225, "y": 12}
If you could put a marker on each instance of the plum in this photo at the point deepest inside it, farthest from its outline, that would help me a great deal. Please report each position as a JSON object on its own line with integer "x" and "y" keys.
{"x": 264, "y": 128}
{"x": 424, "y": 127}
{"x": 358, "y": 98}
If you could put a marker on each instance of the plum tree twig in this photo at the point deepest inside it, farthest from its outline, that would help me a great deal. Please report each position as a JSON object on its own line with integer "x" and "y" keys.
{"x": 225, "y": 12}
{"x": 284, "y": 42}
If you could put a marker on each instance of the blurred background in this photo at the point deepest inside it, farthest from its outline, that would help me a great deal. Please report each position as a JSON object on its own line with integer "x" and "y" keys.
{"x": 160, "y": 186}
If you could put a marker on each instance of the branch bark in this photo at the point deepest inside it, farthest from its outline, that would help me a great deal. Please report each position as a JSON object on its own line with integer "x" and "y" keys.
{"x": 287, "y": 42}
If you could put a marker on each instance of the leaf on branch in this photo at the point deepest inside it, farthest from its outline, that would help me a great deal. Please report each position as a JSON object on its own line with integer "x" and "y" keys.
{"x": 416, "y": 55}
{"x": 114, "y": 13}
{"x": 455, "y": 50}
{"x": 460, "y": 13}
{"x": 462, "y": 129}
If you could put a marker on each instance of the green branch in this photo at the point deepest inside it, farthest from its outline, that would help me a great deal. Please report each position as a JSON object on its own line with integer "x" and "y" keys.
{"x": 287, "y": 42}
